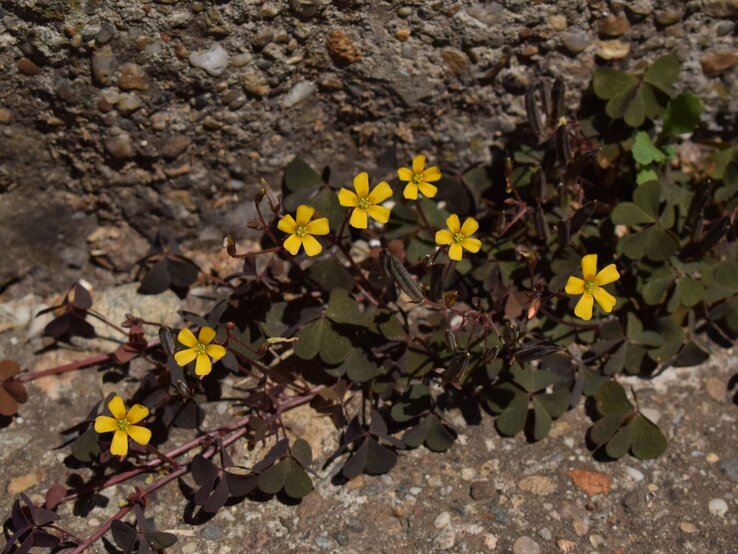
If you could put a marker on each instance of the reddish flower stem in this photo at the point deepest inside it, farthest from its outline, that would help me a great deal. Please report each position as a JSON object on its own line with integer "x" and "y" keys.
{"x": 291, "y": 403}
{"x": 186, "y": 447}
{"x": 72, "y": 366}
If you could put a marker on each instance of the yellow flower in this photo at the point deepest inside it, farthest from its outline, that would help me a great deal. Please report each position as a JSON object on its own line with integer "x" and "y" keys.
{"x": 365, "y": 202}
{"x": 301, "y": 231}
{"x": 122, "y": 424}
{"x": 419, "y": 179}
{"x": 199, "y": 348}
{"x": 458, "y": 236}
{"x": 591, "y": 287}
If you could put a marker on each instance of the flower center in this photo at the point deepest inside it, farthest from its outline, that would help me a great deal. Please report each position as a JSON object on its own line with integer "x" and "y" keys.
{"x": 590, "y": 286}
{"x": 363, "y": 203}
{"x": 459, "y": 238}
{"x": 417, "y": 177}
{"x": 200, "y": 348}
{"x": 301, "y": 231}
{"x": 123, "y": 424}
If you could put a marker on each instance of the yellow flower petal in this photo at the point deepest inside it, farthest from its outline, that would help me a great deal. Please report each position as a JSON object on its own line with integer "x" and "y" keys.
{"x": 215, "y": 351}
{"x": 583, "y": 308}
{"x": 119, "y": 446}
{"x": 304, "y": 213}
{"x": 379, "y": 213}
{"x": 105, "y": 424}
{"x": 137, "y": 413}
{"x": 444, "y": 236}
{"x": 589, "y": 266}
{"x": 405, "y": 174}
{"x": 117, "y": 407}
{"x": 380, "y": 193}
{"x": 203, "y": 366}
{"x": 361, "y": 184}
{"x": 292, "y": 244}
{"x": 608, "y": 275}
{"x": 453, "y": 223}
{"x": 187, "y": 338}
{"x": 418, "y": 164}
{"x": 287, "y": 224}
{"x": 311, "y": 245}
{"x": 455, "y": 252}
{"x": 140, "y": 434}
{"x": 472, "y": 245}
{"x": 428, "y": 190}
{"x": 206, "y": 335}
{"x": 432, "y": 174}
{"x": 347, "y": 198}
{"x": 358, "y": 219}
{"x": 574, "y": 285}
{"x": 319, "y": 226}
{"x": 604, "y": 299}
{"x": 411, "y": 191}
{"x": 469, "y": 227}
{"x": 184, "y": 357}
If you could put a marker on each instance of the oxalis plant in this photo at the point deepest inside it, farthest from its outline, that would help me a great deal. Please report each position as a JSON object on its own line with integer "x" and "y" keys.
{"x": 586, "y": 250}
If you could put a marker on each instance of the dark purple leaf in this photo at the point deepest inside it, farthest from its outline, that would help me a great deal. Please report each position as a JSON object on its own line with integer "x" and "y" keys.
{"x": 240, "y": 485}
{"x": 379, "y": 459}
{"x": 203, "y": 470}
{"x": 357, "y": 462}
{"x": 218, "y": 498}
{"x": 157, "y": 279}
{"x": 123, "y": 534}
{"x": 44, "y": 539}
{"x": 160, "y": 539}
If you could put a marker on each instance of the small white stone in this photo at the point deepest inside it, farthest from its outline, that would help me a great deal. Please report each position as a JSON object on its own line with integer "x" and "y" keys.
{"x": 490, "y": 541}
{"x": 298, "y": 93}
{"x": 214, "y": 60}
{"x": 634, "y": 474}
{"x": 468, "y": 473}
{"x": 443, "y": 519}
{"x": 445, "y": 539}
{"x": 718, "y": 507}
{"x": 652, "y": 414}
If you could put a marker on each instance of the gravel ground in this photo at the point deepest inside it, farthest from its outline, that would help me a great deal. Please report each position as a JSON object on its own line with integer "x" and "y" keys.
{"x": 487, "y": 494}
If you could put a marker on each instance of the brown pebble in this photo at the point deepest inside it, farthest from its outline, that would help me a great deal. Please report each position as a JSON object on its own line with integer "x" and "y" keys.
{"x": 27, "y": 67}
{"x": 402, "y": 34}
{"x": 174, "y": 146}
{"x": 341, "y": 48}
{"x": 614, "y": 25}
{"x": 715, "y": 389}
{"x": 5, "y": 116}
{"x": 455, "y": 59}
{"x": 715, "y": 63}
{"x": 132, "y": 77}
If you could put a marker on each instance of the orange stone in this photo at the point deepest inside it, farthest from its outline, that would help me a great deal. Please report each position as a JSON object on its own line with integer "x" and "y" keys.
{"x": 591, "y": 482}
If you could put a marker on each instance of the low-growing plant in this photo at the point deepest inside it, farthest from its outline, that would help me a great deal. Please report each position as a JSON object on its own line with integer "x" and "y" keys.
{"x": 517, "y": 288}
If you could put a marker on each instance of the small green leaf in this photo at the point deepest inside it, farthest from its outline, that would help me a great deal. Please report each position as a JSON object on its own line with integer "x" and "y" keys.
{"x": 298, "y": 175}
{"x": 645, "y": 151}
{"x": 512, "y": 420}
{"x": 302, "y": 452}
{"x": 273, "y": 479}
{"x": 647, "y": 197}
{"x": 297, "y": 483}
{"x": 690, "y": 291}
{"x": 648, "y": 440}
{"x": 359, "y": 368}
{"x": 318, "y": 337}
{"x": 682, "y": 115}
{"x": 85, "y": 448}
{"x": 438, "y": 438}
{"x": 379, "y": 459}
{"x": 330, "y": 275}
{"x": 612, "y": 400}
{"x": 605, "y": 427}
{"x": 663, "y": 73}
{"x": 620, "y": 442}
{"x": 343, "y": 309}
{"x": 608, "y": 83}
{"x": 542, "y": 420}
{"x": 627, "y": 213}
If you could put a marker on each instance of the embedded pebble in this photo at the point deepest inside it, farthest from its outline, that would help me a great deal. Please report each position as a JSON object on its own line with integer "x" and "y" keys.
{"x": 612, "y": 49}
{"x": 442, "y": 520}
{"x": 214, "y": 60}
{"x": 729, "y": 467}
{"x": 687, "y": 527}
{"x": 576, "y": 41}
{"x": 103, "y": 65}
{"x": 526, "y": 545}
{"x": 634, "y": 474}
{"x": 298, "y": 93}
{"x": 718, "y": 507}
{"x": 445, "y": 539}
